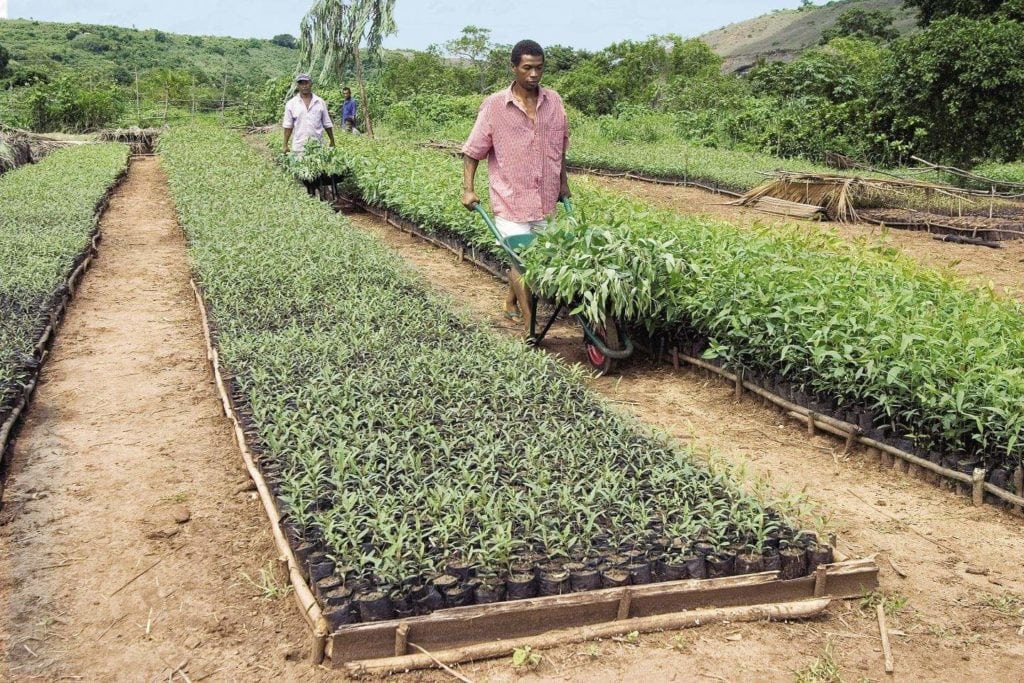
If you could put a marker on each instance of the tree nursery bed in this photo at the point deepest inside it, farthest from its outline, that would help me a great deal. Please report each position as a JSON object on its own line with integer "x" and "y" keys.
{"x": 47, "y": 212}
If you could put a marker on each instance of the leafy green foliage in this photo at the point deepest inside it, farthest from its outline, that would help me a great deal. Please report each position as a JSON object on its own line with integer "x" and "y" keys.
{"x": 857, "y": 22}
{"x": 1010, "y": 172}
{"x": 72, "y": 103}
{"x": 47, "y": 212}
{"x": 933, "y": 10}
{"x": 401, "y": 435}
{"x": 473, "y": 45}
{"x": 594, "y": 145}
{"x": 635, "y": 72}
{"x": 114, "y": 52}
{"x": 956, "y": 90}
{"x": 285, "y": 40}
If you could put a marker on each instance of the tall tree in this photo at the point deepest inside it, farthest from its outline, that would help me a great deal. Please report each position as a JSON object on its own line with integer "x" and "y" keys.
{"x": 333, "y": 31}
{"x": 933, "y": 10}
{"x": 474, "y": 45}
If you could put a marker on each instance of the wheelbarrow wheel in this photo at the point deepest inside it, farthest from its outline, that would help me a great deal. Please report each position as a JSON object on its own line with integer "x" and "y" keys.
{"x": 609, "y": 335}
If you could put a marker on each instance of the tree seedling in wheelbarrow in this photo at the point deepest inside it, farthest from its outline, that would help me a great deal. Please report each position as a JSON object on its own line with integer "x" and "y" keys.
{"x": 604, "y": 344}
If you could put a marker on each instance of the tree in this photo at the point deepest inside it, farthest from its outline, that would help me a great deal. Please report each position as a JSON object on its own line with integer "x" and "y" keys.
{"x": 74, "y": 102}
{"x": 956, "y": 90}
{"x": 933, "y": 10}
{"x": 858, "y": 23}
{"x": 285, "y": 40}
{"x": 5, "y": 59}
{"x": 474, "y": 45}
{"x": 332, "y": 32}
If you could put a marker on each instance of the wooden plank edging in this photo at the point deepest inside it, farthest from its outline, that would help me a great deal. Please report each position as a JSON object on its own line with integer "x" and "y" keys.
{"x": 478, "y": 625}
{"x": 763, "y": 612}
{"x": 852, "y": 433}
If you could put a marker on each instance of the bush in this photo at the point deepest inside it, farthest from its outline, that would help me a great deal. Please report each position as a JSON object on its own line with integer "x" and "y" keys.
{"x": 91, "y": 42}
{"x": 285, "y": 40}
{"x": 956, "y": 90}
{"x": 70, "y": 103}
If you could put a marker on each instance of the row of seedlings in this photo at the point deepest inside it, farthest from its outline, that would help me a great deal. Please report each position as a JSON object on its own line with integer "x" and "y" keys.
{"x": 423, "y": 461}
{"x": 48, "y": 216}
{"x": 912, "y": 356}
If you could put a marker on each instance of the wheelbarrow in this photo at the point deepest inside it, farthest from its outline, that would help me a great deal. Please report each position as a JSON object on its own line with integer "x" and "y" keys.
{"x": 604, "y": 345}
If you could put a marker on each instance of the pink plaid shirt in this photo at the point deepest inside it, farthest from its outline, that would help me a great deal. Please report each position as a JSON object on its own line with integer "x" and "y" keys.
{"x": 524, "y": 158}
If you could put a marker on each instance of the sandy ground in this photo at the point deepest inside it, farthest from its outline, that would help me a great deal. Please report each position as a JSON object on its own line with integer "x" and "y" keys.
{"x": 1004, "y": 268}
{"x": 956, "y": 616}
{"x": 125, "y": 468}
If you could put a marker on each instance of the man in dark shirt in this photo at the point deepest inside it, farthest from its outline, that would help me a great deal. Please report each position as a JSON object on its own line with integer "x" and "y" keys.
{"x": 348, "y": 111}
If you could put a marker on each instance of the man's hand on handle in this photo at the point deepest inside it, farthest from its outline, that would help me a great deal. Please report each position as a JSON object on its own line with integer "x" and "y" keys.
{"x": 469, "y": 199}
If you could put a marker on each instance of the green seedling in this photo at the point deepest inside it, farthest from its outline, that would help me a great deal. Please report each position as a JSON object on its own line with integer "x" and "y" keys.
{"x": 823, "y": 669}
{"x": 267, "y": 584}
{"x": 892, "y": 603}
{"x": 526, "y": 658}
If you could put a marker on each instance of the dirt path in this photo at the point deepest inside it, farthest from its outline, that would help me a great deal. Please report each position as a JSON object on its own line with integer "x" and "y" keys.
{"x": 1003, "y": 267}
{"x": 956, "y": 616}
{"x": 125, "y": 468}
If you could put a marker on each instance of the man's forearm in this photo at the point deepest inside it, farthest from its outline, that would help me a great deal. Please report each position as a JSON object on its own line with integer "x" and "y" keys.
{"x": 287, "y": 138}
{"x": 469, "y": 165}
{"x": 330, "y": 135}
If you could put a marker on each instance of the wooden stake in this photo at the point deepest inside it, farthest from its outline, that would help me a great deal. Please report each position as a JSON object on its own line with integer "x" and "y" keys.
{"x": 883, "y": 631}
{"x": 739, "y": 385}
{"x": 886, "y": 460}
{"x": 675, "y": 358}
{"x": 811, "y": 431}
{"x": 402, "y": 640}
{"x": 851, "y": 439}
{"x": 978, "y": 486}
{"x": 1018, "y": 483}
{"x": 624, "y": 603}
{"x": 820, "y": 580}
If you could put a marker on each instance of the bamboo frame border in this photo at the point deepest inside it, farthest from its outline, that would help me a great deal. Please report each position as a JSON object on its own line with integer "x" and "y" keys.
{"x": 781, "y": 611}
{"x": 310, "y": 608}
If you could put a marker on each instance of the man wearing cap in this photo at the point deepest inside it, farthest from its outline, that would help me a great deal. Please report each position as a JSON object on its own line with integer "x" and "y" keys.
{"x": 305, "y": 117}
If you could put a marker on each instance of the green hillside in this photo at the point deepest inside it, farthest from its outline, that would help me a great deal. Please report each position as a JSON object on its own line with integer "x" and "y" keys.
{"x": 783, "y": 34}
{"x": 39, "y": 49}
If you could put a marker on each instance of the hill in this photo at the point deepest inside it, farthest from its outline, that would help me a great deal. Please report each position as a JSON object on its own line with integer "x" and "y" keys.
{"x": 39, "y": 49}
{"x": 784, "y": 34}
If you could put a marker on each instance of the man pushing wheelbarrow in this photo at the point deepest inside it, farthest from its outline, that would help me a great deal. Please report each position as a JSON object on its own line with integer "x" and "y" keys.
{"x": 523, "y": 133}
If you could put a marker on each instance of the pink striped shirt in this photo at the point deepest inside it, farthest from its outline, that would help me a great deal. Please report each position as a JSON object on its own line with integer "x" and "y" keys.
{"x": 524, "y": 158}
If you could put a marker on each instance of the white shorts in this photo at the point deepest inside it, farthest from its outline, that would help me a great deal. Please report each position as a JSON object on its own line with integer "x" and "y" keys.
{"x": 508, "y": 228}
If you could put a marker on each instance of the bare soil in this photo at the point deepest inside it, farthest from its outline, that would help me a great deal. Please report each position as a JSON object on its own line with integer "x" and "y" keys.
{"x": 956, "y": 616}
{"x": 1004, "y": 268}
{"x": 128, "y": 530}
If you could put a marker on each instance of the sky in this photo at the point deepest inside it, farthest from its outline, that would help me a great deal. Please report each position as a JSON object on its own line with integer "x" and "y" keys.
{"x": 586, "y": 24}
